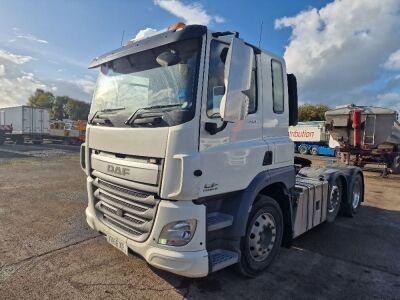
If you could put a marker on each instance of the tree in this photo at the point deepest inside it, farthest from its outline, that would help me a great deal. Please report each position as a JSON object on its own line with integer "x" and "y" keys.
{"x": 41, "y": 99}
{"x": 77, "y": 110}
{"x": 312, "y": 112}
{"x": 58, "y": 109}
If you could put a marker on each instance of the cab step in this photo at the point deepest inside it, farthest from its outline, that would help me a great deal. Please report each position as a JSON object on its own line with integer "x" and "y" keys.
{"x": 220, "y": 259}
{"x": 216, "y": 221}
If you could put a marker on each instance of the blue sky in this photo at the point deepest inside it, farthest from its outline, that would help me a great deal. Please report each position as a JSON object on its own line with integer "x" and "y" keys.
{"x": 59, "y": 38}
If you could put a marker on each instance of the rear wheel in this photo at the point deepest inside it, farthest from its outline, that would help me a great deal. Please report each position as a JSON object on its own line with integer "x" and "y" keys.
{"x": 19, "y": 140}
{"x": 303, "y": 149}
{"x": 263, "y": 237}
{"x": 334, "y": 200}
{"x": 395, "y": 166}
{"x": 350, "y": 208}
{"x": 314, "y": 150}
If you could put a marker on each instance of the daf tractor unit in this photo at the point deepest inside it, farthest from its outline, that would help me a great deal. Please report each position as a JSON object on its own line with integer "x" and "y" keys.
{"x": 188, "y": 159}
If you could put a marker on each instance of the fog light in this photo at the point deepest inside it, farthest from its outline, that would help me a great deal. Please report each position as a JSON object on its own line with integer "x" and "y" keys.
{"x": 177, "y": 233}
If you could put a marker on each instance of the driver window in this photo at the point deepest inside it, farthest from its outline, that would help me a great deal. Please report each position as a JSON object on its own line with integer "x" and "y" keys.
{"x": 216, "y": 86}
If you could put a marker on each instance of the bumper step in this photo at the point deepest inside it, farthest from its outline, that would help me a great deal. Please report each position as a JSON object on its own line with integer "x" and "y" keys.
{"x": 216, "y": 221}
{"x": 220, "y": 259}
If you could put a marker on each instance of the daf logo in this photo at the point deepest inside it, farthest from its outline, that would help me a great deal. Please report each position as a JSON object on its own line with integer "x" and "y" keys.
{"x": 118, "y": 170}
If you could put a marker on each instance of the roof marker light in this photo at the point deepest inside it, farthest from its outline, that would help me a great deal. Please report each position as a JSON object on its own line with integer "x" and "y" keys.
{"x": 176, "y": 26}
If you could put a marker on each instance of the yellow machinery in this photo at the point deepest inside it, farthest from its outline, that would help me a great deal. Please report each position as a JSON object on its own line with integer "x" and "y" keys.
{"x": 68, "y": 132}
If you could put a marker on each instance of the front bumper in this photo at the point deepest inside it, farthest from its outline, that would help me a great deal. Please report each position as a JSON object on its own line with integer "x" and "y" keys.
{"x": 190, "y": 260}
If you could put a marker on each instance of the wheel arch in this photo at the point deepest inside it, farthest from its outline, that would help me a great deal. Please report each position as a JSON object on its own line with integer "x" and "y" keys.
{"x": 274, "y": 183}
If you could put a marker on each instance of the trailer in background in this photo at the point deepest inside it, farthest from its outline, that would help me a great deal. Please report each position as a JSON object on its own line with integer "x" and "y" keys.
{"x": 312, "y": 138}
{"x": 28, "y": 123}
{"x": 366, "y": 135}
{"x": 5, "y": 130}
{"x": 68, "y": 132}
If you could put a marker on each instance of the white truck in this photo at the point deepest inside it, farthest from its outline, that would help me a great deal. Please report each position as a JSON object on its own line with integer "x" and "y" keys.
{"x": 188, "y": 159}
{"x": 28, "y": 123}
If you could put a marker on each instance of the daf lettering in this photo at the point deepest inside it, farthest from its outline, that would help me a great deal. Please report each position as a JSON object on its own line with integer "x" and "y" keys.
{"x": 118, "y": 170}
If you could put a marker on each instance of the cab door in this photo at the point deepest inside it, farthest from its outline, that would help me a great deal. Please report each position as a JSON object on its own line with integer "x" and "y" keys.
{"x": 231, "y": 158}
{"x": 276, "y": 111}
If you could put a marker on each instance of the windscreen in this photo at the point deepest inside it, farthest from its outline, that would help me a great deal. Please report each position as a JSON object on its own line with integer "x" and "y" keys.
{"x": 165, "y": 76}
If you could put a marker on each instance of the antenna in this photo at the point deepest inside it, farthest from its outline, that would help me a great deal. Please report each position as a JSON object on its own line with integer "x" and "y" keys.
{"x": 122, "y": 38}
{"x": 261, "y": 28}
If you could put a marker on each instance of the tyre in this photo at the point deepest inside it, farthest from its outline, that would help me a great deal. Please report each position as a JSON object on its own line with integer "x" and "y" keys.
{"x": 314, "y": 151}
{"x": 395, "y": 166}
{"x": 263, "y": 237}
{"x": 303, "y": 149}
{"x": 357, "y": 193}
{"x": 334, "y": 200}
{"x": 20, "y": 140}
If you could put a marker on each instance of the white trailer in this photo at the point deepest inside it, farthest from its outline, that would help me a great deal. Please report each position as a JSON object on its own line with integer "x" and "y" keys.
{"x": 28, "y": 123}
{"x": 309, "y": 132}
{"x": 312, "y": 137}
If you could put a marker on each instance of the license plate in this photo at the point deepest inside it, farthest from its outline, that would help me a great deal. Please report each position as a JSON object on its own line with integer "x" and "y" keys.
{"x": 118, "y": 244}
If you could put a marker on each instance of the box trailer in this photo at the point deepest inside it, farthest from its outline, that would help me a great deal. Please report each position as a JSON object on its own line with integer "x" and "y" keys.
{"x": 28, "y": 123}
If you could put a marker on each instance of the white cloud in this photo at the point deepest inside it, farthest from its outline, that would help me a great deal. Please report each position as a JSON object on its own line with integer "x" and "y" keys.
{"x": 16, "y": 85}
{"x": 31, "y": 38}
{"x": 193, "y": 13}
{"x": 2, "y": 70}
{"x": 389, "y": 100}
{"x": 145, "y": 33}
{"x": 16, "y": 90}
{"x": 340, "y": 48}
{"x": 393, "y": 62}
{"x": 14, "y": 58}
{"x": 86, "y": 84}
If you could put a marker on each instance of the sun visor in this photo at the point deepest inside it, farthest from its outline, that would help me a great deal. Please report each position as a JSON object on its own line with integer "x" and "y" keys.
{"x": 167, "y": 37}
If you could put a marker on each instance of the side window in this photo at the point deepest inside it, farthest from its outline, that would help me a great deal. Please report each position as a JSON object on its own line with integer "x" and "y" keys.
{"x": 252, "y": 93}
{"x": 216, "y": 86}
{"x": 277, "y": 86}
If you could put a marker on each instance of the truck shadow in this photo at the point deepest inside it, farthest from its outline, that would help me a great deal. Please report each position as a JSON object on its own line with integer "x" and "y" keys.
{"x": 366, "y": 245}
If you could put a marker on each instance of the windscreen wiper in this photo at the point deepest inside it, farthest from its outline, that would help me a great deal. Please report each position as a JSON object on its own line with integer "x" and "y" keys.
{"x": 133, "y": 116}
{"x": 103, "y": 120}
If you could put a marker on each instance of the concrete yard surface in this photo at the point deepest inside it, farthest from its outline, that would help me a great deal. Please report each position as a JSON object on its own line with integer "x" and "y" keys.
{"x": 47, "y": 251}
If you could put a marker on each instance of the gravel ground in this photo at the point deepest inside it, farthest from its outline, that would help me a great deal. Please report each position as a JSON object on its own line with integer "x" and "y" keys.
{"x": 47, "y": 251}
{"x": 10, "y": 152}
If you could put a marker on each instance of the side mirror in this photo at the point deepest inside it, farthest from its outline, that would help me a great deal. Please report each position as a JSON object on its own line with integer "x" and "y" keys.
{"x": 238, "y": 67}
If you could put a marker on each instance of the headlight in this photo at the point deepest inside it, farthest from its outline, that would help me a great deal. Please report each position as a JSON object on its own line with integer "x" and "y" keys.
{"x": 177, "y": 233}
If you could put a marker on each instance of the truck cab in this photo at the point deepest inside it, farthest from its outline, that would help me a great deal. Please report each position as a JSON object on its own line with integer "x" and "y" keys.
{"x": 188, "y": 159}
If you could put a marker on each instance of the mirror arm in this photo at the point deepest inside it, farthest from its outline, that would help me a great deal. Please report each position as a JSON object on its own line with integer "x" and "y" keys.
{"x": 212, "y": 128}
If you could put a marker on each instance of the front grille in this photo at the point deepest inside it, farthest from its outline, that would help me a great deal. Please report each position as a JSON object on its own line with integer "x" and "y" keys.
{"x": 103, "y": 183}
{"x": 128, "y": 211}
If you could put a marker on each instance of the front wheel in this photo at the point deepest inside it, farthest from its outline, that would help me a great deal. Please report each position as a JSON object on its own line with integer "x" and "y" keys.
{"x": 263, "y": 237}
